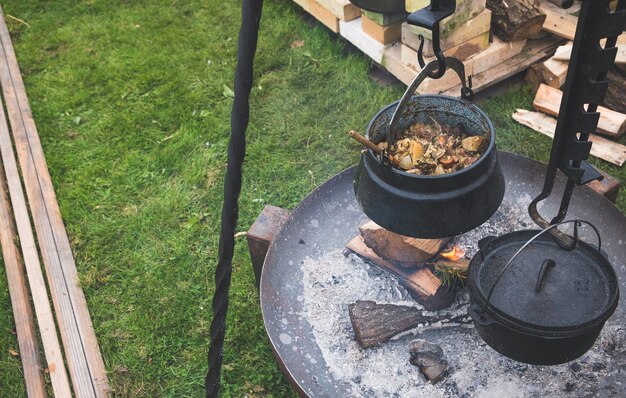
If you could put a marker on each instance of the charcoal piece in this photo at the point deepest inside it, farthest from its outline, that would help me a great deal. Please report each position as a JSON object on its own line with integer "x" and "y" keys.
{"x": 597, "y": 366}
{"x": 418, "y": 346}
{"x": 575, "y": 367}
{"x": 432, "y": 367}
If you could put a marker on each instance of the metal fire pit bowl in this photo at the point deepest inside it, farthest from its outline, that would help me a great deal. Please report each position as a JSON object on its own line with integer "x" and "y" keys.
{"x": 329, "y": 217}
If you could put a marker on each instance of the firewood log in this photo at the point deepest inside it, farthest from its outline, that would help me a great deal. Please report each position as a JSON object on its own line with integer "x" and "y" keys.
{"x": 516, "y": 19}
{"x": 424, "y": 286}
{"x": 534, "y": 76}
{"x": 554, "y": 72}
{"x": 375, "y": 324}
{"x": 403, "y": 250}
{"x": 615, "y": 98}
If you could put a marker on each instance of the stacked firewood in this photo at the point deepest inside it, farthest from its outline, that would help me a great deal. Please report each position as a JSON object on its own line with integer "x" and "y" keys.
{"x": 462, "y": 35}
{"x": 553, "y": 71}
{"x": 484, "y": 34}
{"x": 547, "y": 79}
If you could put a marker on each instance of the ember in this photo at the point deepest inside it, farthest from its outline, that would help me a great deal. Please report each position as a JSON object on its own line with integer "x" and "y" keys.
{"x": 435, "y": 149}
{"x": 456, "y": 253}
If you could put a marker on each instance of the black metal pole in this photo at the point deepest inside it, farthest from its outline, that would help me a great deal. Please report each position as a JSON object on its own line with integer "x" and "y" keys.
{"x": 248, "y": 35}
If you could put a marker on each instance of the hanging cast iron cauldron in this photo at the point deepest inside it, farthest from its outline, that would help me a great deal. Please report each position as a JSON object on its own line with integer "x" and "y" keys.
{"x": 429, "y": 206}
{"x": 537, "y": 303}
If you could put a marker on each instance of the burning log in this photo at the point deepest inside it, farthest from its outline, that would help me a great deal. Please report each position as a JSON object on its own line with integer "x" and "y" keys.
{"x": 458, "y": 266}
{"x": 375, "y": 324}
{"x": 403, "y": 250}
{"x": 421, "y": 283}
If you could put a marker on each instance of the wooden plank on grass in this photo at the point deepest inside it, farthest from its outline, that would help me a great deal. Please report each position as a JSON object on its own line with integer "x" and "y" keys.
{"x": 43, "y": 311}
{"x": 602, "y": 148}
{"x": 83, "y": 356}
{"x": 558, "y": 21}
{"x": 548, "y": 100}
{"x": 497, "y": 52}
{"x": 470, "y": 47}
{"x": 561, "y": 23}
{"x": 456, "y": 36}
{"x": 428, "y": 86}
{"x": 20, "y": 300}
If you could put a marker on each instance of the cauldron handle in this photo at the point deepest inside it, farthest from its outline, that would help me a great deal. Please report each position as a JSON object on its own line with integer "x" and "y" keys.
{"x": 453, "y": 63}
{"x": 576, "y": 224}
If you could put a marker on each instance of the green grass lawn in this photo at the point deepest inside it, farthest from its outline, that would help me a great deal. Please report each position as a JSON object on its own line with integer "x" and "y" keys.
{"x": 132, "y": 101}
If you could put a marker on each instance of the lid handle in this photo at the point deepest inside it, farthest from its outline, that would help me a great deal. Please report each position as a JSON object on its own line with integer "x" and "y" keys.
{"x": 576, "y": 225}
{"x": 545, "y": 267}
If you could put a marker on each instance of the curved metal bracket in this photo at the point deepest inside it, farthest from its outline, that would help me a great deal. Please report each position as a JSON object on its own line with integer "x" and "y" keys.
{"x": 441, "y": 59}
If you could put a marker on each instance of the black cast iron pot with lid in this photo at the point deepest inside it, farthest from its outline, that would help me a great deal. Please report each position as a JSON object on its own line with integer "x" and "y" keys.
{"x": 535, "y": 302}
{"x": 429, "y": 206}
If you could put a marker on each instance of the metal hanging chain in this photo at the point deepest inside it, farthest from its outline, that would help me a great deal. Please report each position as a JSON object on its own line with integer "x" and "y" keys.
{"x": 248, "y": 35}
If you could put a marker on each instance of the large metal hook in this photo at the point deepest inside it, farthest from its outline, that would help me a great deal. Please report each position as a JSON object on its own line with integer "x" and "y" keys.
{"x": 441, "y": 59}
{"x": 431, "y": 67}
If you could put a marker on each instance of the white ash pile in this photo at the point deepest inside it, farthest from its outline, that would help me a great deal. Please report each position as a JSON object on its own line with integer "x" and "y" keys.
{"x": 334, "y": 281}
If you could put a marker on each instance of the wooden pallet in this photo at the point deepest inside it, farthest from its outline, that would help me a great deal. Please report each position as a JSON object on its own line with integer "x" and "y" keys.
{"x": 80, "y": 349}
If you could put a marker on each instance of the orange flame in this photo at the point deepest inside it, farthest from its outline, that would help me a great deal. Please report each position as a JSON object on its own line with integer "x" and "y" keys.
{"x": 456, "y": 253}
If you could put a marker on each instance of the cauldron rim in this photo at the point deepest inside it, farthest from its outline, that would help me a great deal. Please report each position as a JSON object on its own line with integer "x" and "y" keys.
{"x": 417, "y": 177}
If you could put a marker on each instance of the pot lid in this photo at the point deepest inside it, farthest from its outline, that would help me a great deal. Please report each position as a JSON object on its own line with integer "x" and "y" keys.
{"x": 575, "y": 289}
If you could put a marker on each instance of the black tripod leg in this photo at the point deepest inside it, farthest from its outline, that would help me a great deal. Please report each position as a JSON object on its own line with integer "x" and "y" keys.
{"x": 248, "y": 35}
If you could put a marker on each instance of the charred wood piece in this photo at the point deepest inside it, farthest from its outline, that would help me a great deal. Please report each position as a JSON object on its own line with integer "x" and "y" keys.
{"x": 375, "y": 324}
